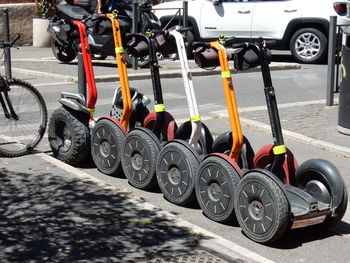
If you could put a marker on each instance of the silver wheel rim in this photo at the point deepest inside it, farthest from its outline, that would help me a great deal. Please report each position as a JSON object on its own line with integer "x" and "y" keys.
{"x": 307, "y": 46}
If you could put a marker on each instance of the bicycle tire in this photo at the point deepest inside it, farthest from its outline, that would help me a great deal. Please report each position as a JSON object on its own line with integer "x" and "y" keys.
{"x": 19, "y": 137}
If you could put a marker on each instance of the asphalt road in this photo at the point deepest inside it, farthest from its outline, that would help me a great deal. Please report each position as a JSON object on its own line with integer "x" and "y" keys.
{"x": 306, "y": 84}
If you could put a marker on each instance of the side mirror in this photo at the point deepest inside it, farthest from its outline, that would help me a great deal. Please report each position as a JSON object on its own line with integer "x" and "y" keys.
{"x": 216, "y": 2}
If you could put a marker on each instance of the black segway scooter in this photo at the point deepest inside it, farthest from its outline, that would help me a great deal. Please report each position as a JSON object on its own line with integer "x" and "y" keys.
{"x": 142, "y": 145}
{"x": 266, "y": 203}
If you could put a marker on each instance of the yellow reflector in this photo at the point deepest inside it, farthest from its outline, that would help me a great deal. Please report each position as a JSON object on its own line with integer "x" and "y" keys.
{"x": 226, "y": 74}
{"x": 195, "y": 118}
{"x": 159, "y": 108}
{"x": 119, "y": 50}
{"x": 281, "y": 149}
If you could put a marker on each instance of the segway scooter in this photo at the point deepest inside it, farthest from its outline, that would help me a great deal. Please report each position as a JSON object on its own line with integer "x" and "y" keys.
{"x": 271, "y": 200}
{"x": 179, "y": 159}
{"x": 128, "y": 110}
{"x": 70, "y": 125}
{"x": 220, "y": 172}
{"x": 142, "y": 145}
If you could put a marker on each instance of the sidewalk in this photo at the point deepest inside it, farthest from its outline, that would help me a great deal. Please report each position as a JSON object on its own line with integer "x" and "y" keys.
{"x": 52, "y": 212}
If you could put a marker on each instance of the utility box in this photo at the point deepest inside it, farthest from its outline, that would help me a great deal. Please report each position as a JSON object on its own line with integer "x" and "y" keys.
{"x": 344, "y": 86}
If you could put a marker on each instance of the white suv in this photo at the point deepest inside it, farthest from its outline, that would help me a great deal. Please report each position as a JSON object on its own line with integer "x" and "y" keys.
{"x": 300, "y": 26}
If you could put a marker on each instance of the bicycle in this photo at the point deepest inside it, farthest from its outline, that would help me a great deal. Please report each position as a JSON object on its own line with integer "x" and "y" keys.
{"x": 23, "y": 115}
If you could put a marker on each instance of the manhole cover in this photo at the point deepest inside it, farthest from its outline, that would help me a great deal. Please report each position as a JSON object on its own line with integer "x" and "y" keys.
{"x": 195, "y": 256}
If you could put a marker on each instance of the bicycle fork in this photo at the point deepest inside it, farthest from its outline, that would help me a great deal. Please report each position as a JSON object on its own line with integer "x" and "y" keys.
{"x": 6, "y": 103}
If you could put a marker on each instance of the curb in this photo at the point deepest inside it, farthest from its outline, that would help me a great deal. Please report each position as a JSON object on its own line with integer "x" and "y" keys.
{"x": 345, "y": 151}
{"x": 164, "y": 73}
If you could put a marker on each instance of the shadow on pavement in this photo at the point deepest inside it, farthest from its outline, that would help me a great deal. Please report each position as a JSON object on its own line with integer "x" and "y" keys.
{"x": 298, "y": 237}
{"x": 50, "y": 218}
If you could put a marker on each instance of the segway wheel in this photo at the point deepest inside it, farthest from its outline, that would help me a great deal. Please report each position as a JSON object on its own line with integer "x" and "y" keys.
{"x": 69, "y": 135}
{"x": 106, "y": 144}
{"x": 205, "y": 143}
{"x": 261, "y": 208}
{"x": 139, "y": 156}
{"x": 264, "y": 158}
{"x": 322, "y": 180}
{"x": 217, "y": 179}
{"x": 169, "y": 126}
{"x": 177, "y": 166}
{"x": 223, "y": 144}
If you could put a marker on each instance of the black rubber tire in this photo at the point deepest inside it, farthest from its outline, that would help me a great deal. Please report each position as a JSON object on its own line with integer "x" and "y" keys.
{"x": 223, "y": 144}
{"x": 177, "y": 166}
{"x": 63, "y": 54}
{"x": 317, "y": 38}
{"x": 76, "y": 147}
{"x": 31, "y": 110}
{"x": 106, "y": 144}
{"x": 326, "y": 173}
{"x": 142, "y": 62}
{"x": 139, "y": 154}
{"x": 215, "y": 186}
{"x": 261, "y": 208}
{"x": 184, "y": 133}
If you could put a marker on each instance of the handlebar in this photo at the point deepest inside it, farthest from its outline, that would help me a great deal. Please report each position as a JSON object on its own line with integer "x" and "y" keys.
{"x": 197, "y": 44}
{"x": 11, "y": 43}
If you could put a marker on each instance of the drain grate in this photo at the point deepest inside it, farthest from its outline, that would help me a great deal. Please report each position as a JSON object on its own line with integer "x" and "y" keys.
{"x": 195, "y": 256}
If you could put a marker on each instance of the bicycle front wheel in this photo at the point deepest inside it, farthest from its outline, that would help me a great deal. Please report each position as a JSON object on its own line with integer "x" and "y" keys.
{"x": 20, "y": 135}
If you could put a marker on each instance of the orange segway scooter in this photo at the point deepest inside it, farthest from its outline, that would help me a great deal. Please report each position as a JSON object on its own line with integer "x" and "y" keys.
{"x": 128, "y": 110}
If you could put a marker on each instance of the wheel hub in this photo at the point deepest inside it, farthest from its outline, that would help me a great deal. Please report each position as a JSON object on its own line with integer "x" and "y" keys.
{"x": 256, "y": 210}
{"x": 215, "y": 191}
{"x": 307, "y": 45}
{"x": 105, "y": 149}
{"x": 67, "y": 136}
{"x": 174, "y": 175}
{"x": 137, "y": 161}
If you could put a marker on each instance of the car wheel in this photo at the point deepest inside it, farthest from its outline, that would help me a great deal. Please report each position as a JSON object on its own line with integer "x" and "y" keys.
{"x": 308, "y": 45}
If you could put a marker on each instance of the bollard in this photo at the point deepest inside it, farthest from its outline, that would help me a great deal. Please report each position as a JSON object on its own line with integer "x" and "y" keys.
{"x": 185, "y": 13}
{"x": 7, "y": 50}
{"x": 134, "y": 28}
{"x": 331, "y": 61}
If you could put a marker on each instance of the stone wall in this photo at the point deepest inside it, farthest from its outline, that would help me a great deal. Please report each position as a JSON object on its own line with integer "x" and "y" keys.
{"x": 21, "y": 21}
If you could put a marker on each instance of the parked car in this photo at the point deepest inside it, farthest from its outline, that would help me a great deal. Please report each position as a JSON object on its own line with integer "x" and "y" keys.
{"x": 297, "y": 25}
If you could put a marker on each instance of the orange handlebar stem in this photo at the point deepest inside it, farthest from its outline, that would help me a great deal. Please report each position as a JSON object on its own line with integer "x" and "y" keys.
{"x": 123, "y": 76}
{"x": 230, "y": 101}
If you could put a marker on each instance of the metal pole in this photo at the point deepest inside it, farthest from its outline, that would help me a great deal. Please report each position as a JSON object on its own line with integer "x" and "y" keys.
{"x": 331, "y": 61}
{"x": 7, "y": 50}
{"x": 81, "y": 76}
{"x": 134, "y": 28}
{"x": 185, "y": 13}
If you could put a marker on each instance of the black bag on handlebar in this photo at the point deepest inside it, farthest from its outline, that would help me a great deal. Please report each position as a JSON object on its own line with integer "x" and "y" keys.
{"x": 166, "y": 45}
{"x": 137, "y": 48}
{"x": 208, "y": 57}
{"x": 245, "y": 58}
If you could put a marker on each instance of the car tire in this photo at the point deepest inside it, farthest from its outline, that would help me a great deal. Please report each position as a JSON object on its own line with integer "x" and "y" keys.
{"x": 308, "y": 45}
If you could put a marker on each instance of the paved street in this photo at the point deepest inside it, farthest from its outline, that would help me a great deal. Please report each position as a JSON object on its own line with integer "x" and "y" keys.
{"x": 56, "y": 213}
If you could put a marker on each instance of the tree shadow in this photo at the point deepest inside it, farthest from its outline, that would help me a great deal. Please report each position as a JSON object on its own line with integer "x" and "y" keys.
{"x": 60, "y": 218}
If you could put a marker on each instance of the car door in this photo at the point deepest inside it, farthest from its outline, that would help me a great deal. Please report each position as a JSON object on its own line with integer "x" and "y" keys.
{"x": 271, "y": 17}
{"x": 226, "y": 17}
